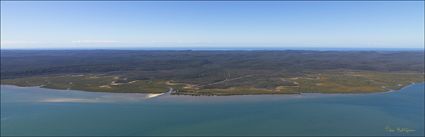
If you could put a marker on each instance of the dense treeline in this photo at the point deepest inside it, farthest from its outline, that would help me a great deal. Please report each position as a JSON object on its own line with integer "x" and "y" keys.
{"x": 199, "y": 65}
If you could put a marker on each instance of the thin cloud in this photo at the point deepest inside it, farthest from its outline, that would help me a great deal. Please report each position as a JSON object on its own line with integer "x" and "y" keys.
{"x": 95, "y": 41}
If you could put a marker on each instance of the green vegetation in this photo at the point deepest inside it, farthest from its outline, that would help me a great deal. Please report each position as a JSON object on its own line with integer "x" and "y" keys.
{"x": 336, "y": 81}
{"x": 96, "y": 83}
{"x": 214, "y": 72}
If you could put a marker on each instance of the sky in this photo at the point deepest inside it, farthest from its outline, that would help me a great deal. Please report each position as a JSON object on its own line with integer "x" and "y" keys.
{"x": 279, "y": 24}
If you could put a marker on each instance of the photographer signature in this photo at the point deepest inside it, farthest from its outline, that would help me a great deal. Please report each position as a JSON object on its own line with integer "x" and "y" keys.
{"x": 399, "y": 129}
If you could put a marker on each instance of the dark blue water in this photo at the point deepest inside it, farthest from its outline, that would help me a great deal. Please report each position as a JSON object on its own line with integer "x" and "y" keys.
{"x": 36, "y": 111}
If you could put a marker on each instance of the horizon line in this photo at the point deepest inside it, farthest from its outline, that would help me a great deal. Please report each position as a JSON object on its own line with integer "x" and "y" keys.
{"x": 234, "y": 48}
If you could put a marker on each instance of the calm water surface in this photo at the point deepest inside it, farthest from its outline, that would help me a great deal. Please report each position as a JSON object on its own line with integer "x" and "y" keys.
{"x": 37, "y": 111}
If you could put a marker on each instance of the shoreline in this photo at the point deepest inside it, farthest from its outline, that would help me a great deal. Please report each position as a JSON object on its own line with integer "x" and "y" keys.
{"x": 164, "y": 93}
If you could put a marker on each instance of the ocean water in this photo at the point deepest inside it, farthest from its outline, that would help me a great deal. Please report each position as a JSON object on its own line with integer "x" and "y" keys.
{"x": 36, "y": 111}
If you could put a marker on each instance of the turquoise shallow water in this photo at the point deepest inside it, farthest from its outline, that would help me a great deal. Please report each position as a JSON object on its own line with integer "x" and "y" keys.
{"x": 37, "y": 111}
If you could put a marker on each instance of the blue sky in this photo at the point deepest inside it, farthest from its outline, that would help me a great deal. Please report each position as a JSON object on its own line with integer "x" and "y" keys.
{"x": 138, "y": 24}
